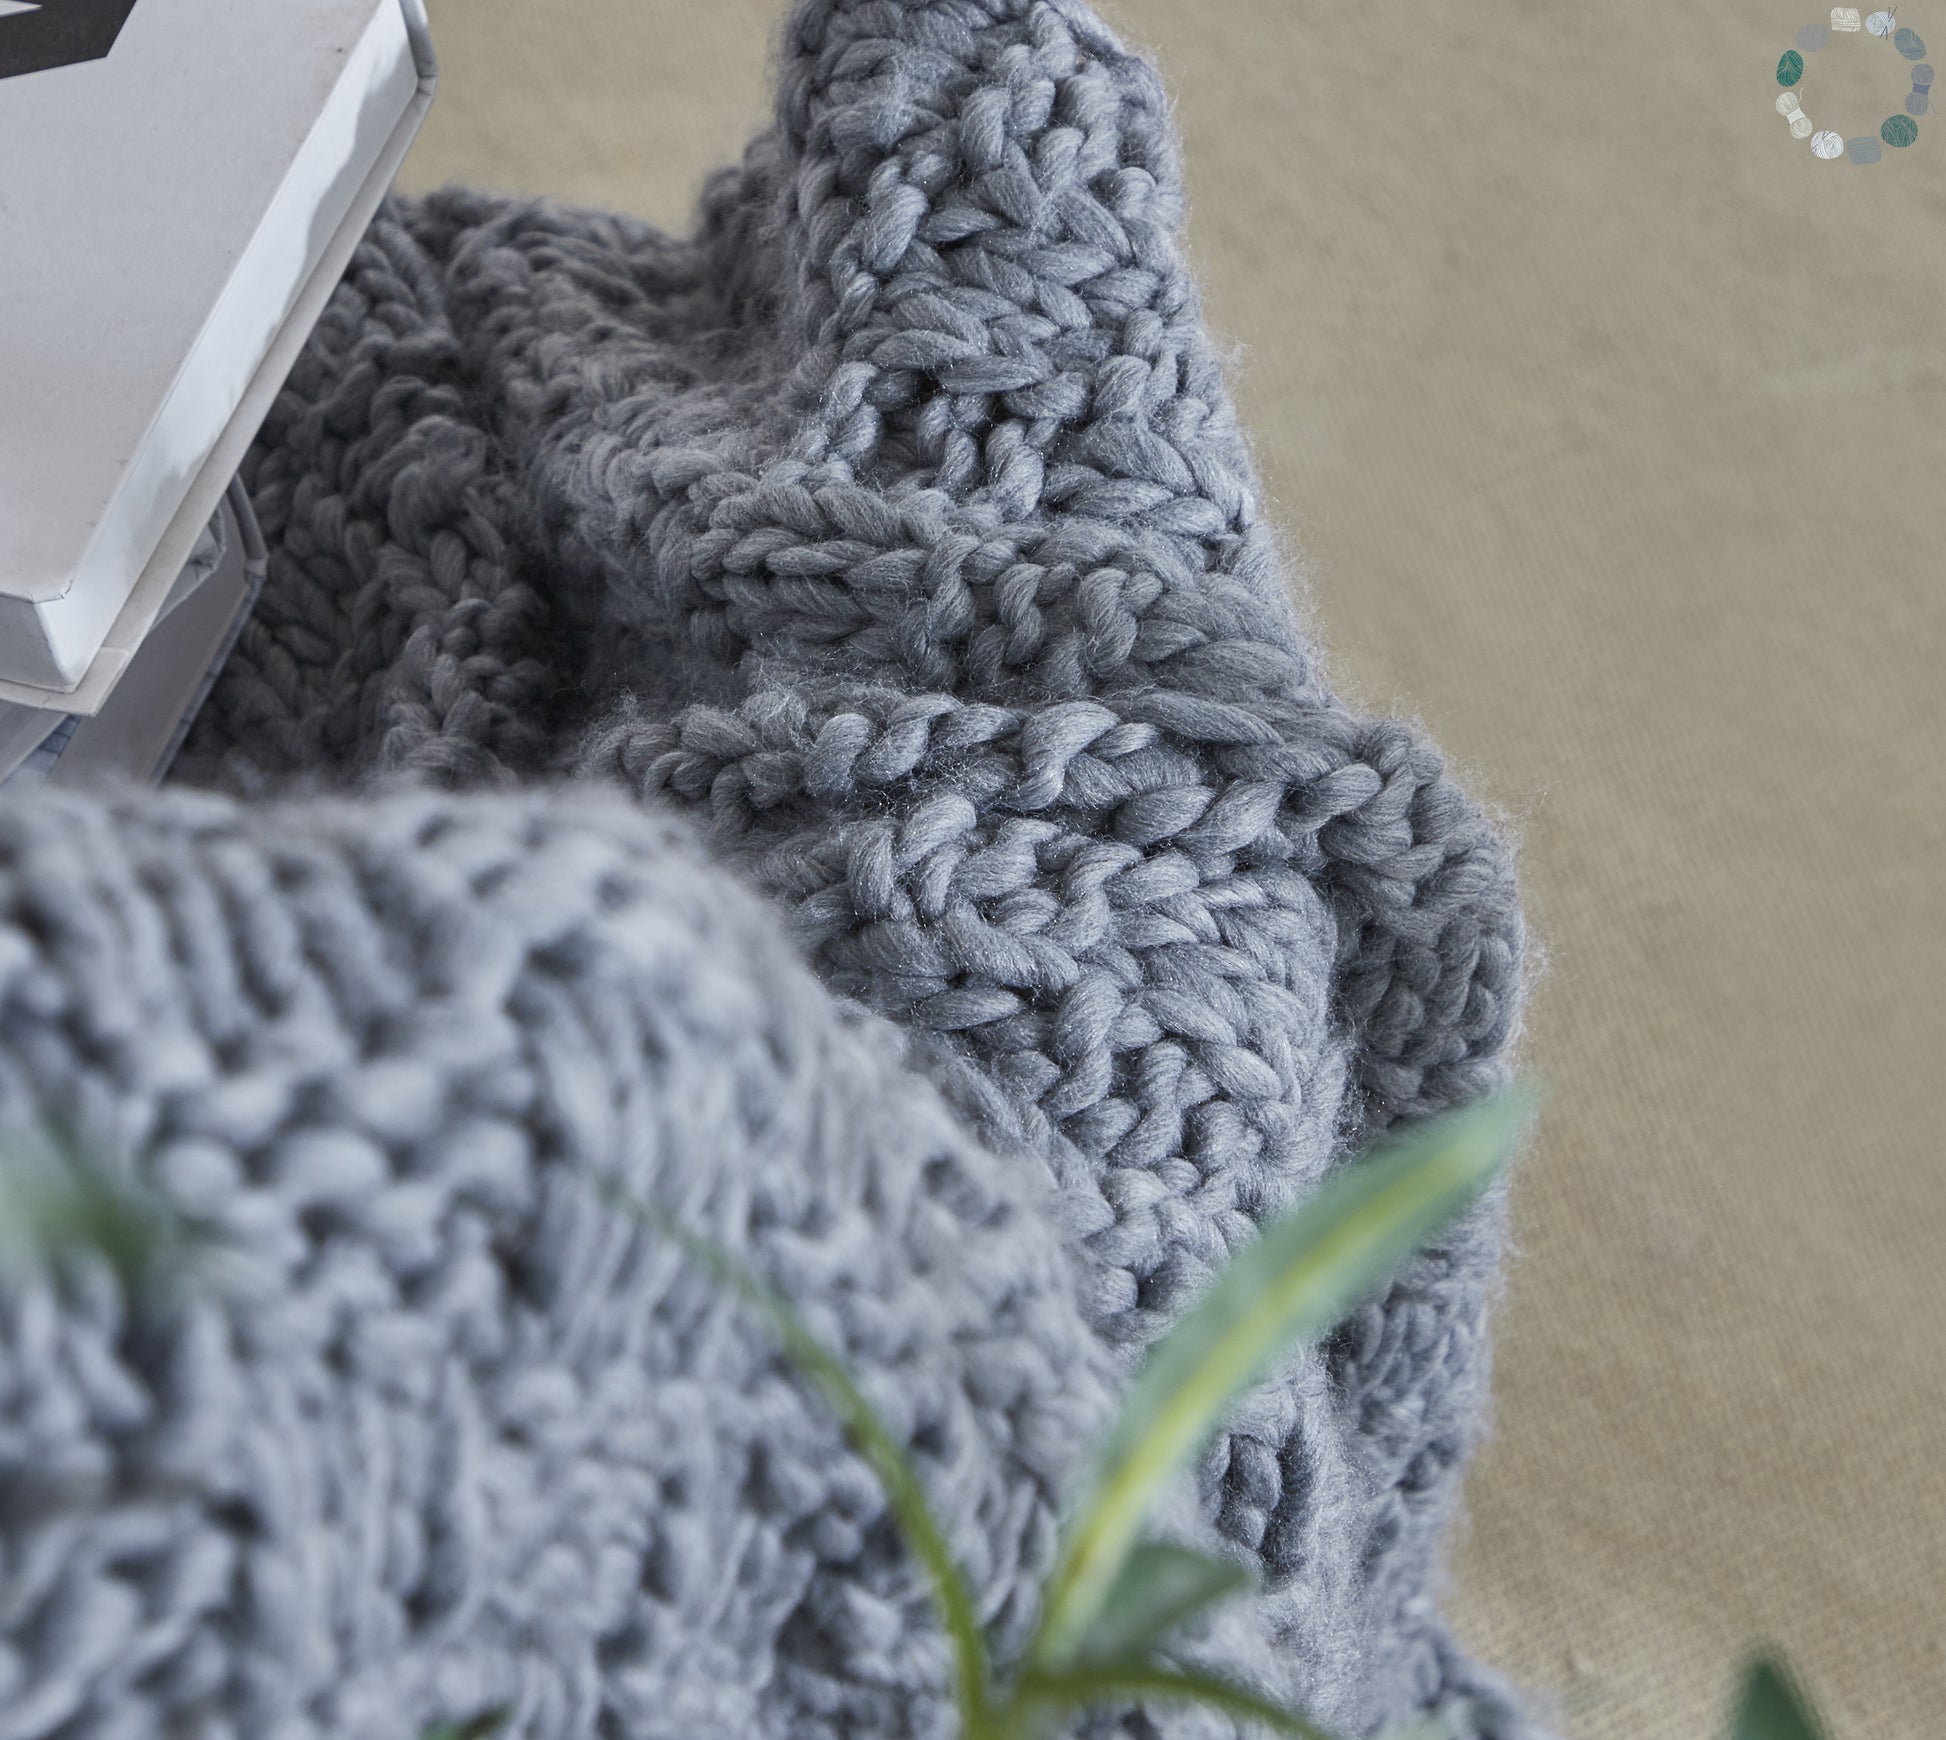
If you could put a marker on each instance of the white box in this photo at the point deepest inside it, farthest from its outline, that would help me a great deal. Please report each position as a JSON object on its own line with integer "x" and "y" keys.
{"x": 173, "y": 217}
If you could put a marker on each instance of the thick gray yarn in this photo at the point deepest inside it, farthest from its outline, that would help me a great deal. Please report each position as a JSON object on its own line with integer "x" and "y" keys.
{"x": 808, "y": 720}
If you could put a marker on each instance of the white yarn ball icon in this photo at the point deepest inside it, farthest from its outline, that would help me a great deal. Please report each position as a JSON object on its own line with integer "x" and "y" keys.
{"x": 1800, "y": 126}
{"x": 1879, "y": 24}
{"x": 1827, "y": 145}
{"x": 1787, "y": 102}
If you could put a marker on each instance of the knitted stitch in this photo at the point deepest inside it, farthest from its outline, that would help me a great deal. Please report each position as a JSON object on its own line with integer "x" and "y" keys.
{"x": 896, "y": 530}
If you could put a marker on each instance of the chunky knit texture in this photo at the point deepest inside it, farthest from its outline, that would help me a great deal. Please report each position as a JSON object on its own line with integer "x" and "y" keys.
{"x": 807, "y": 719}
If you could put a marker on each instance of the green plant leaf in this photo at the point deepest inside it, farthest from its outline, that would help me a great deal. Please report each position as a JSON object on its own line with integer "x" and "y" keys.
{"x": 1081, "y": 1688}
{"x": 55, "y": 1199}
{"x": 1298, "y": 1279}
{"x": 1161, "y": 1586}
{"x": 473, "y": 1727}
{"x": 1771, "y": 1707}
{"x": 1450, "y": 1725}
{"x": 867, "y": 1432}
{"x": 1458, "y": 1719}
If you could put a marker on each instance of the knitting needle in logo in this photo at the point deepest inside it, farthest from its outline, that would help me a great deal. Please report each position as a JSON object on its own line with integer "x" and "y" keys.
{"x": 39, "y": 35}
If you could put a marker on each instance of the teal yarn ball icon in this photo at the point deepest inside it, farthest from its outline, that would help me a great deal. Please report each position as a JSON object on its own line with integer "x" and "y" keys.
{"x": 1791, "y": 68}
{"x": 1899, "y": 130}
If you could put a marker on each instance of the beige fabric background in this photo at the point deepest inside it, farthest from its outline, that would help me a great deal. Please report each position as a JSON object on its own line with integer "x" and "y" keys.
{"x": 1611, "y": 426}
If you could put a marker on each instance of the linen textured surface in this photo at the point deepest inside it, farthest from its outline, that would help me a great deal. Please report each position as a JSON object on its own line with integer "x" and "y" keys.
{"x": 805, "y": 718}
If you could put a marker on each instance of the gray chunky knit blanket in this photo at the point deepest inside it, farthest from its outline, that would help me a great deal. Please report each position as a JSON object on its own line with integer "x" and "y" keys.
{"x": 806, "y": 720}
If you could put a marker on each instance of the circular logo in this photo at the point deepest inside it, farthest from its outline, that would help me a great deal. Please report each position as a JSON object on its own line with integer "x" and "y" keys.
{"x": 1898, "y": 131}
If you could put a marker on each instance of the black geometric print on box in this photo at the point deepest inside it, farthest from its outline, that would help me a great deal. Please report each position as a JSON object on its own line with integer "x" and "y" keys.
{"x": 37, "y": 35}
